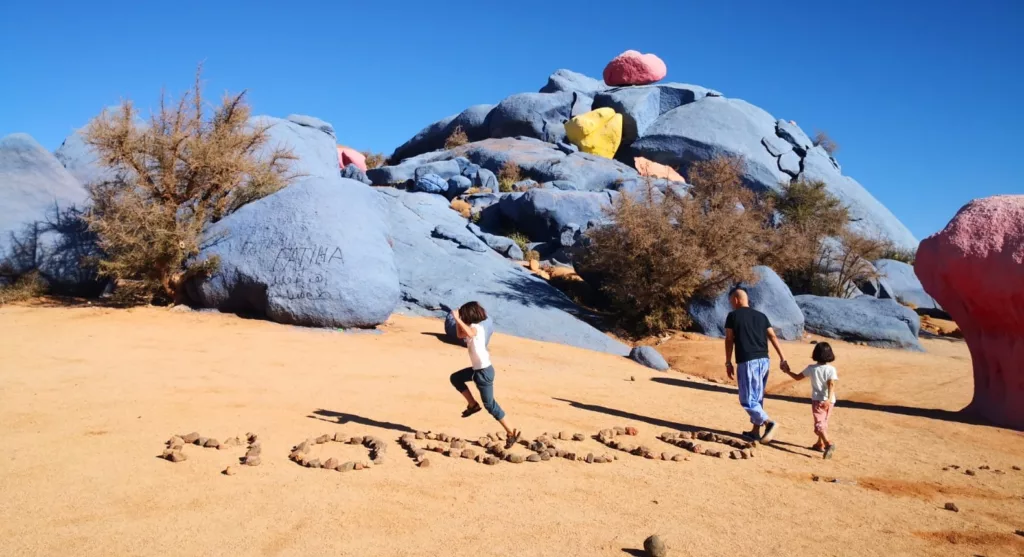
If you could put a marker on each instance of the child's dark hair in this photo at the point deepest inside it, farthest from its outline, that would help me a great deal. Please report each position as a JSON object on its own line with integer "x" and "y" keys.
{"x": 472, "y": 313}
{"x": 823, "y": 353}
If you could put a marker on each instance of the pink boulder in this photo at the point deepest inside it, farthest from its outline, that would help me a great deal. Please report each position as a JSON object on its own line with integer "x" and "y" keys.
{"x": 974, "y": 268}
{"x": 652, "y": 169}
{"x": 633, "y": 68}
{"x": 348, "y": 155}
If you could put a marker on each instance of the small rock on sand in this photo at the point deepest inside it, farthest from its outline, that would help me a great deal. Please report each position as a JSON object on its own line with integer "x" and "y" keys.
{"x": 515, "y": 458}
{"x": 175, "y": 440}
{"x": 359, "y": 466}
{"x": 678, "y": 458}
{"x": 424, "y": 463}
{"x": 191, "y": 437}
{"x": 1019, "y": 532}
{"x": 533, "y": 458}
{"x": 432, "y": 436}
{"x": 355, "y": 441}
{"x": 202, "y": 441}
{"x": 952, "y": 507}
{"x": 419, "y": 453}
{"x": 339, "y": 437}
{"x": 331, "y": 464}
{"x": 251, "y": 461}
{"x": 631, "y": 431}
{"x": 632, "y": 378}
{"x": 619, "y": 430}
{"x": 177, "y": 456}
{"x": 579, "y": 437}
{"x": 420, "y": 435}
{"x": 323, "y": 439}
{"x": 590, "y": 458}
{"x": 655, "y": 547}
{"x": 230, "y": 471}
{"x": 666, "y": 456}
{"x": 971, "y": 473}
{"x": 1016, "y": 468}
{"x": 469, "y": 453}
{"x": 212, "y": 444}
{"x": 315, "y": 463}
{"x": 350, "y": 466}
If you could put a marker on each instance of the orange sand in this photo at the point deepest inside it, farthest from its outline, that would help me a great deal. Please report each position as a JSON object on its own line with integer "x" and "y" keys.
{"x": 89, "y": 395}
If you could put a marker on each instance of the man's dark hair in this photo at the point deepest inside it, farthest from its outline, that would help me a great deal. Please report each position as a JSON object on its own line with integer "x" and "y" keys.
{"x": 823, "y": 353}
{"x": 472, "y": 313}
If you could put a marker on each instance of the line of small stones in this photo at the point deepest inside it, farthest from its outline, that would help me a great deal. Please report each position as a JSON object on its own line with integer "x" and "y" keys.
{"x": 174, "y": 445}
{"x": 685, "y": 440}
{"x": 457, "y": 448}
{"x": 300, "y": 453}
{"x": 546, "y": 444}
{"x": 609, "y": 438}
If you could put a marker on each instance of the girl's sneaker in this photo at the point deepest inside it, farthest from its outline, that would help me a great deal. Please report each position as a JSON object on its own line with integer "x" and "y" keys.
{"x": 829, "y": 451}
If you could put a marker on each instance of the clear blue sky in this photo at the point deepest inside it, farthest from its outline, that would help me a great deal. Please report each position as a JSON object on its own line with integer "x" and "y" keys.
{"x": 925, "y": 98}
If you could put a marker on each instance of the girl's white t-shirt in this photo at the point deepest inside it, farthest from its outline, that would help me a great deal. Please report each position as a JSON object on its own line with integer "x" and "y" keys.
{"x": 820, "y": 375}
{"x": 477, "y": 345}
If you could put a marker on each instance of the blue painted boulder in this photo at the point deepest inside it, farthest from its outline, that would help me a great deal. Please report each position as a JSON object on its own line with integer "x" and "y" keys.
{"x": 434, "y": 136}
{"x": 353, "y": 172}
{"x": 37, "y": 197}
{"x": 879, "y": 323}
{"x": 714, "y": 127}
{"x": 453, "y": 337}
{"x": 444, "y": 169}
{"x": 434, "y": 272}
{"x": 769, "y": 295}
{"x": 570, "y": 81}
{"x": 431, "y": 183}
{"x": 542, "y": 214}
{"x": 316, "y": 253}
{"x": 899, "y": 282}
{"x": 538, "y": 115}
{"x": 458, "y": 185}
{"x": 316, "y": 149}
{"x": 650, "y": 357}
{"x": 642, "y": 106}
{"x": 312, "y": 122}
{"x": 501, "y": 244}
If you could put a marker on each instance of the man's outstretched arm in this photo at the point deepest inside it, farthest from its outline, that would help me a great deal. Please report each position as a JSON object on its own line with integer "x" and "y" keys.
{"x": 778, "y": 348}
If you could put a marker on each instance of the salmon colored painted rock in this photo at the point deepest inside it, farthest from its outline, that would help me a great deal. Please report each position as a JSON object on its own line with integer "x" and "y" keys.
{"x": 598, "y": 132}
{"x": 633, "y": 68}
{"x": 974, "y": 268}
{"x": 652, "y": 169}
{"x": 348, "y": 155}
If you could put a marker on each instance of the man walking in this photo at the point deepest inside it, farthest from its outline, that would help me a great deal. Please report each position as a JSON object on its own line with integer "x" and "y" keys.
{"x": 749, "y": 331}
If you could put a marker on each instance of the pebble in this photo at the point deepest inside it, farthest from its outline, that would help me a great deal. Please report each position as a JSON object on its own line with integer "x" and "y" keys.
{"x": 579, "y": 437}
{"x": 1016, "y": 468}
{"x": 202, "y": 441}
{"x": 469, "y": 453}
{"x": 590, "y": 458}
{"x": 230, "y": 471}
{"x": 479, "y": 458}
{"x": 251, "y": 461}
{"x": 632, "y": 378}
{"x": 501, "y": 435}
{"x": 331, "y": 464}
{"x": 457, "y": 443}
{"x": 350, "y": 466}
{"x": 212, "y": 443}
{"x": 303, "y": 447}
{"x": 420, "y": 435}
{"x": 1019, "y": 532}
{"x": 191, "y": 437}
{"x": 419, "y": 453}
{"x": 666, "y": 456}
{"x": 678, "y": 458}
{"x": 655, "y": 547}
{"x": 175, "y": 440}
{"x": 515, "y": 458}
{"x": 323, "y": 439}
{"x": 432, "y": 437}
{"x": 563, "y": 436}
{"x": 734, "y": 455}
{"x": 952, "y": 507}
{"x": 631, "y": 431}
{"x": 570, "y": 456}
{"x": 424, "y": 463}
{"x": 339, "y": 437}
{"x": 490, "y": 460}
{"x": 545, "y": 456}
{"x": 315, "y": 463}
{"x": 985, "y": 467}
{"x": 443, "y": 437}
{"x": 355, "y": 441}
{"x": 533, "y": 458}
{"x": 971, "y": 473}
{"x": 619, "y": 430}
{"x": 177, "y": 456}
{"x": 360, "y": 466}
{"x": 486, "y": 441}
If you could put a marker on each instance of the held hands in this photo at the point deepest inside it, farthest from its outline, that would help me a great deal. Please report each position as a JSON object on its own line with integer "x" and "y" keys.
{"x": 785, "y": 367}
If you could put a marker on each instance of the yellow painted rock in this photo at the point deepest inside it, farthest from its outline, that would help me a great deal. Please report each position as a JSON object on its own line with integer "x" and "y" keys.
{"x": 598, "y": 132}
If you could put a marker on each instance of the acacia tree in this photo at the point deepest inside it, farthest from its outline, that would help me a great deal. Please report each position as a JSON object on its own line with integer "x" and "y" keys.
{"x": 189, "y": 166}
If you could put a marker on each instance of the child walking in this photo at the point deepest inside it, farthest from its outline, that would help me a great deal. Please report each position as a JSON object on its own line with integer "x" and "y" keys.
{"x": 468, "y": 327}
{"x": 823, "y": 394}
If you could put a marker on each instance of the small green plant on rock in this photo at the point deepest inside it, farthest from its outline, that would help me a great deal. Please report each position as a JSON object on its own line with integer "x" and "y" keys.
{"x": 521, "y": 240}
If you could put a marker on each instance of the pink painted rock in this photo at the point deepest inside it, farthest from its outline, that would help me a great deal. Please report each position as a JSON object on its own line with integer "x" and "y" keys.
{"x": 633, "y": 68}
{"x": 348, "y": 155}
{"x": 650, "y": 168}
{"x": 974, "y": 268}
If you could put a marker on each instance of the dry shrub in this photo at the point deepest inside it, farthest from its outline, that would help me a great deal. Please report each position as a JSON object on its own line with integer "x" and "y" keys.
{"x": 846, "y": 262}
{"x": 823, "y": 140}
{"x": 656, "y": 257}
{"x": 458, "y": 138}
{"x": 187, "y": 168}
{"x": 374, "y": 160}
{"x": 508, "y": 176}
{"x": 25, "y": 287}
{"x": 521, "y": 240}
{"x": 900, "y": 254}
{"x": 810, "y": 214}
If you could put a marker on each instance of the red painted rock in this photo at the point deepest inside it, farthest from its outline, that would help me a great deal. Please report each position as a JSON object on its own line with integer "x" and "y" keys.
{"x": 633, "y": 68}
{"x": 348, "y": 155}
{"x": 974, "y": 268}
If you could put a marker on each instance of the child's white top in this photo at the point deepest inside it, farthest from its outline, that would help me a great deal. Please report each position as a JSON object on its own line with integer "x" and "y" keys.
{"x": 478, "y": 348}
{"x": 820, "y": 375}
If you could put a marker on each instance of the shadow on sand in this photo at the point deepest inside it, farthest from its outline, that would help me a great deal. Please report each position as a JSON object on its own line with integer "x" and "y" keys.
{"x": 343, "y": 418}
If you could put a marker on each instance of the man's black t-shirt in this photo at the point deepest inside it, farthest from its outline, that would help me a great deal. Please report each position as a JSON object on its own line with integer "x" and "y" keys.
{"x": 750, "y": 331}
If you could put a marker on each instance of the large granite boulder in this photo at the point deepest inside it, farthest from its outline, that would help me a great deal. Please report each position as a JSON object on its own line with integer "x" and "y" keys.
{"x": 433, "y": 137}
{"x": 316, "y": 253}
{"x": 898, "y": 281}
{"x": 542, "y": 214}
{"x": 975, "y": 268}
{"x": 435, "y": 270}
{"x": 714, "y": 127}
{"x": 650, "y": 357}
{"x": 880, "y": 323}
{"x": 642, "y": 106}
{"x": 570, "y": 81}
{"x": 39, "y": 225}
{"x": 310, "y": 139}
{"x": 538, "y": 115}
{"x": 768, "y": 294}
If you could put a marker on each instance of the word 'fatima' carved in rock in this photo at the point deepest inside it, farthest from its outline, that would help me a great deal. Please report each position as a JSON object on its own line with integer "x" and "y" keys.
{"x": 301, "y": 453}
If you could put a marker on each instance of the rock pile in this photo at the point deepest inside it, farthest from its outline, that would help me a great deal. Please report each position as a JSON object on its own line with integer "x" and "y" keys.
{"x": 301, "y": 453}
{"x": 688, "y": 440}
{"x": 174, "y": 446}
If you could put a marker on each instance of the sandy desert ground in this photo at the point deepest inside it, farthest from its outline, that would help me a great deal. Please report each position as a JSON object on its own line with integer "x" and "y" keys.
{"x": 89, "y": 395}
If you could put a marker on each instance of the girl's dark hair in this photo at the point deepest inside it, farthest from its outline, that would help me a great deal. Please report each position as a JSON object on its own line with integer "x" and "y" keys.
{"x": 823, "y": 353}
{"x": 472, "y": 313}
